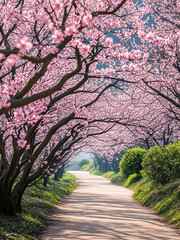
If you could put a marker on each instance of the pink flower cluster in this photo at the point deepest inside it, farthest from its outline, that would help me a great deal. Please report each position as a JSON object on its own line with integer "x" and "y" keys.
{"x": 23, "y": 44}
{"x": 70, "y": 31}
{"x": 86, "y": 20}
{"x": 18, "y": 114}
{"x": 84, "y": 49}
{"x": 57, "y": 36}
{"x": 150, "y": 37}
{"x": 21, "y": 143}
{"x": 11, "y": 60}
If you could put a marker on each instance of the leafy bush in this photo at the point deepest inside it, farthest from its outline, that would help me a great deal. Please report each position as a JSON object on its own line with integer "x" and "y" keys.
{"x": 131, "y": 161}
{"x": 119, "y": 179}
{"x": 84, "y": 162}
{"x": 162, "y": 164}
{"x": 135, "y": 177}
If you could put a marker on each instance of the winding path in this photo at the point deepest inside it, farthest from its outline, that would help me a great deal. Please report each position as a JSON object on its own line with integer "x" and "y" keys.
{"x": 99, "y": 210}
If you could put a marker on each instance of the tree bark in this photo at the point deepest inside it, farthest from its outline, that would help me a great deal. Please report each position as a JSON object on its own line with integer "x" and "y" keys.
{"x": 58, "y": 174}
{"x": 45, "y": 181}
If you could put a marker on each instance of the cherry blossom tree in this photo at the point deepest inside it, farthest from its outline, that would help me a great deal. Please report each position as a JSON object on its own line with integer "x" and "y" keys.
{"x": 63, "y": 70}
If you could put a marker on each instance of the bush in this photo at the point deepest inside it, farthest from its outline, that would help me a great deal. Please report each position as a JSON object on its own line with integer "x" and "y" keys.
{"x": 162, "y": 164}
{"x": 131, "y": 161}
{"x": 84, "y": 162}
{"x": 133, "y": 178}
{"x": 119, "y": 179}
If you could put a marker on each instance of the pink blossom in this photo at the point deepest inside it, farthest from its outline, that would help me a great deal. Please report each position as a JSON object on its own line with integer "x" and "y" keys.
{"x": 18, "y": 114}
{"x": 137, "y": 54}
{"x": 86, "y": 20}
{"x": 132, "y": 67}
{"x": 23, "y": 44}
{"x": 127, "y": 34}
{"x": 58, "y": 4}
{"x": 1, "y": 56}
{"x": 85, "y": 123}
{"x": 149, "y": 36}
{"x": 85, "y": 49}
{"x": 6, "y": 105}
{"x": 21, "y": 143}
{"x": 124, "y": 67}
{"x": 11, "y": 60}
{"x": 108, "y": 42}
{"x": 142, "y": 35}
{"x": 70, "y": 31}
{"x": 109, "y": 71}
{"x": 57, "y": 36}
{"x": 28, "y": 147}
{"x": 158, "y": 40}
{"x": 68, "y": 134}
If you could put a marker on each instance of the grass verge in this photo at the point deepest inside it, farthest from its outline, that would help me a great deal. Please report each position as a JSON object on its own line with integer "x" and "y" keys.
{"x": 38, "y": 202}
{"x": 163, "y": 199}
{"x": 87, "y": 167}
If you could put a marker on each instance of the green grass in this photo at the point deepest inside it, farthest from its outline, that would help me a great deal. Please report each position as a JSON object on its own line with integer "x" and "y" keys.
{"x": 87, "y": 167}
{"x": 109, "y": 175}
{"x": 95, "y": 170}
{"x": 38, "y": 202}
{"x": 119, "y": 179}
{"x": 165, "y": 200}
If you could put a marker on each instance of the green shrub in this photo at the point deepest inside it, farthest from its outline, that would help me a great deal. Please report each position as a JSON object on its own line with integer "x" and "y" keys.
{"x": 133, "y": 178}
{"x": 131, "y": 161}
{"x": 162, "y": 164}
{"x": 119, "y": 179}
{"x": 84, "y": 162}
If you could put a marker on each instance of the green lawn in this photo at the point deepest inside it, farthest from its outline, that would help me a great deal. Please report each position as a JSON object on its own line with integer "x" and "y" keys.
{"x": 38, "y": 202}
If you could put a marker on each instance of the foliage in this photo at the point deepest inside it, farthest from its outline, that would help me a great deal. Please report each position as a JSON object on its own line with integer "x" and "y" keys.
{"x": 164, "y": 199}
{"x": 133, "y": 178}
{"x": 131, "y": 161}
{"x": 119, "y": 179}
{"x": 95, "y": 171}
{"x": 84, "y": 162}
{"x": 88, "y": 166}
{"x": 37, "y": 202}
{"x": 109, "y": 175}
{"x": 162, "y": 164}
{"x": 63, "y": 66}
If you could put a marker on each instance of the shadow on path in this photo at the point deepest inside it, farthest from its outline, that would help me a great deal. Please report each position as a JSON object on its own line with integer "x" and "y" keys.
{"x": 98, "y": 210}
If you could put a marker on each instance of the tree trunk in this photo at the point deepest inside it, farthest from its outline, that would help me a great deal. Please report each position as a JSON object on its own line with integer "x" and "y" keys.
{"x": 3, "y": 199}
{"x": 10, "y": 200}
{"x": 10, "y": 204}
{"x": 59, "y": 174}
{"x": 45, "y": 181}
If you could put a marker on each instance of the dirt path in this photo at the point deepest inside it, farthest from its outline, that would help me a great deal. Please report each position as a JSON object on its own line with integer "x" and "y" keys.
{"x": 98, "y": 210}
